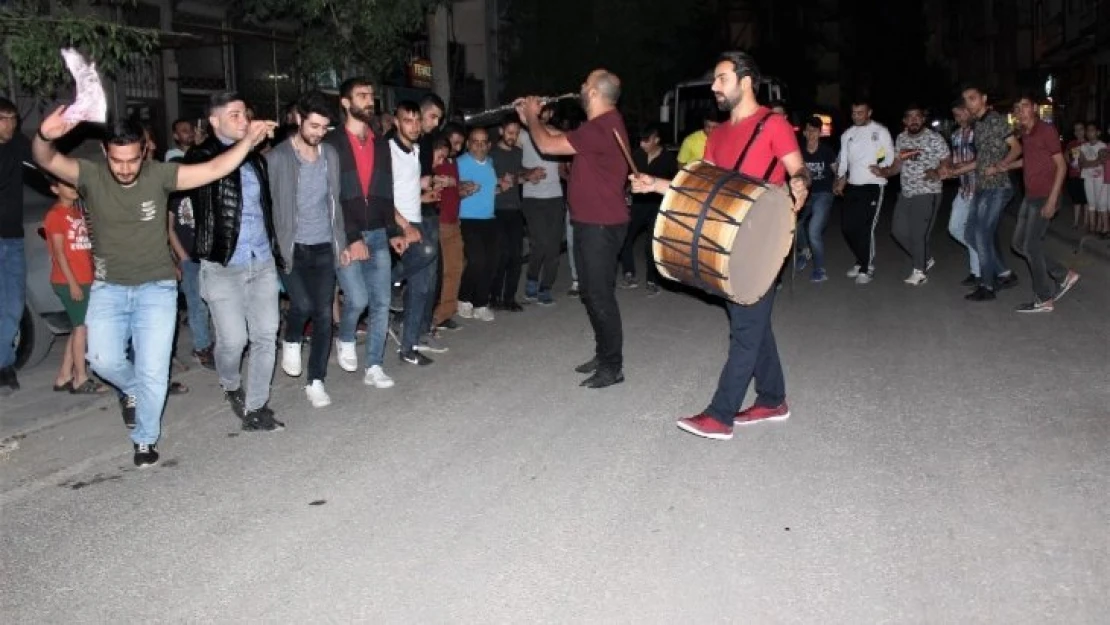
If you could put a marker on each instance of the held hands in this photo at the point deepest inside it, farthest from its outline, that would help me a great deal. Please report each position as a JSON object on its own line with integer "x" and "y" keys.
{"x": 399, "y": 244}
{"x": 800, "y": 192}
{"x": 55, "y": 126}
{"x": 876, "y": 171}
{"x": 354, "y": 251}
{"x": 411, "y": 235}
{"x": 259, "y": 131}
{"x": 643, "y": 183}
{"x": 838, "y": 188}
{"x": 467, "y": 188}
{"x": 430, "y": 196}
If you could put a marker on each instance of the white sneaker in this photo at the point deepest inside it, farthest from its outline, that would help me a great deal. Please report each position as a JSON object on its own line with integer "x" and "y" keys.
{"x": 376, "y": 377}
{"x": 346, "y": 357}
{"x": 291, "y": 358}
{"x": 317, "y": 396}
{"x": 483, "y": 314}
{"x": 854, "y": 271}
{"x": 466, "y": 310}
{"x": 917, "y": 278}
{"x": 863, "y": 278}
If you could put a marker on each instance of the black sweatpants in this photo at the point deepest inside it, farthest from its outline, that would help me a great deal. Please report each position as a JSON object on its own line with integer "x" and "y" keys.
{"x": 481, "y": 247}
{"x": 862, "y": 204}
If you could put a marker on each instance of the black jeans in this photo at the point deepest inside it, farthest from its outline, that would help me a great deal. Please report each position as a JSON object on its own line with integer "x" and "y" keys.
{"x": 643, "y": 220}
{"x": 752, "y": 352}
{"x": 546, "y": 224}
{"x": 862, "y": 204}
{"x": 596, "y": 249}
{"x": 506, "y": 276}
{"x": 311, "y": 290}
{"x": 481, "y": 247}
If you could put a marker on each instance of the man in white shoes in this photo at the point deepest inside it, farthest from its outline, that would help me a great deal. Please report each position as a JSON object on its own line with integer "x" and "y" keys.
{"x": 366, "y": 199}
{"x": 920, "y": 153}
{"x": 304, "y": 184}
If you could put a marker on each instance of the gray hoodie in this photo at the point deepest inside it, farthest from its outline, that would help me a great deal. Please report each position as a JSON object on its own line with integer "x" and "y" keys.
{"x": 284, "y": 168}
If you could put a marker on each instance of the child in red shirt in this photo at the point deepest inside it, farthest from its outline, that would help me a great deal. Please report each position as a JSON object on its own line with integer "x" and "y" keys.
{"x": 71, "y": 275}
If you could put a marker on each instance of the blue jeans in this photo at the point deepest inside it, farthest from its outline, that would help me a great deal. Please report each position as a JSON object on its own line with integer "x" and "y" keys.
{"x": 366, "y": 283}
{"x": 957, "y": 227}
{"x": 143, "y": 316}
{"x": 811, "y": 230}
{"x": 198, "y": 309}
{"x": 752, "y": 352}
{"x": 418, "y": 268}
{"x": 982, "y": 230}
{"x": 13, "y": 291}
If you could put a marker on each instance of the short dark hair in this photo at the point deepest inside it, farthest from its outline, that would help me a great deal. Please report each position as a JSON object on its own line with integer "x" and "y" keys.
{"x": 348, "y": 86}
{"x": 814, "y": 121}
{"x": 406, "y": 106}
{"x": 180, "y": 120}
{"x": 441, "y": 140}
{"x": 914, "y": 106}
{"x": 973, "y": 86}
{"x": 430, "y": 100}
{"x": 861, "y": 101}
{"x": 220, "y": 100}
{"x": 8, "y": 107}
{"x": 958, "y": 103}
{"x": 744, "y": 65}
{"x": 510, "y": 119}
{"x": 454, "y": 128}
{"x": 123, "y": 132}
{"x": 315, "y": 102}
{"x": 1032, "y": 96}
{"x": 651, "y": 130}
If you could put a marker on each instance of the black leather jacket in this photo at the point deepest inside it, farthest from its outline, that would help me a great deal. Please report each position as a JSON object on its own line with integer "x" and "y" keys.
{"x": 218, "y": 206}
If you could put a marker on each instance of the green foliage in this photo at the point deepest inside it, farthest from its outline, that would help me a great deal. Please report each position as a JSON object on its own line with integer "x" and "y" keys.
{"x": 32, "y": 43}
{"x": 368, "y": 35}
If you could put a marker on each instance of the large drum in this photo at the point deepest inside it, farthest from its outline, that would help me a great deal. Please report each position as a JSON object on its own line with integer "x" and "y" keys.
{"x": 723, "y": 232}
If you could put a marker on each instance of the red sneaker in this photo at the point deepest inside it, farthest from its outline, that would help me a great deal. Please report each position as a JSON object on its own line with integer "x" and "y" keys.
{"x": 756, "y": 414}
{"x": 706, "y": 426}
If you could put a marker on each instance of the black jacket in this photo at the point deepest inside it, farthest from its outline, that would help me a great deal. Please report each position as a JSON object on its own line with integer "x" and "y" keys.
{"x": 218, "y": 206}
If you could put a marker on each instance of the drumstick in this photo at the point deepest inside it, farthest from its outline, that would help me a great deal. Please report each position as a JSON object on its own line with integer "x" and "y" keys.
{"x": 624, "y": 150}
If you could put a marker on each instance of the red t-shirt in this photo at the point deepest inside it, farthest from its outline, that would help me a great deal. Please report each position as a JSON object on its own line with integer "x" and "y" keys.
{"x": 364, "y": 158}
{"x": 68, "y": 222}
{"x": 776, "y": 140}
{"x": 599, "y": 172}
{"x": 448, "y": 196}
{"x": 1037, "y": 149}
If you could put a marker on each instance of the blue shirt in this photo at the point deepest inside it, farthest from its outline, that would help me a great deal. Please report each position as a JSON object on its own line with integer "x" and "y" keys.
{"x": 253, "y": 242}
{"x": 479, "y": 205}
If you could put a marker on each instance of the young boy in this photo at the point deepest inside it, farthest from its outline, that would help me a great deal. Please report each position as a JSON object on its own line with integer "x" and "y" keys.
{"x": 71, "y": 275}
{"x": 1091, "y": 155}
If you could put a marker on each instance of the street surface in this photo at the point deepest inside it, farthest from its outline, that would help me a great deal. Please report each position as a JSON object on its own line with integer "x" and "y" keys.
{"x": 946, "y": 462}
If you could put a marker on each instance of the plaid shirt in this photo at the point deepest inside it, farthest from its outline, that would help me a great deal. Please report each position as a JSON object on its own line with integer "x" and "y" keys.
{"x": 963, "y": 151}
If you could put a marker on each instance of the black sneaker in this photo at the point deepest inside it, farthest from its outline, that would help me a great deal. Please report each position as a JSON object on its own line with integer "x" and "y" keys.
{"x": 513, "y": 306}
{"x": 261, "y": 420}
{"x": 414, "y": 357}
{"x": 238, "y": 401}
{"x": 1007, "y": 281}
{"x": 145, "y": 455}
{"x": 970, "y": 281}
{"x": 603, "y": 378}
{"x": 450, "y": 324}
{"x": 127, "y": 411}
{"x": 981, "y": 294}
{"x": 8, "y": 380}
{"x": 587, "y": 367}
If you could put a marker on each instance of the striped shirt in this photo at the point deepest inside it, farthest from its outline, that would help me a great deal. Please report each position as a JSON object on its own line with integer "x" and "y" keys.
{"x": 963, "y": 151}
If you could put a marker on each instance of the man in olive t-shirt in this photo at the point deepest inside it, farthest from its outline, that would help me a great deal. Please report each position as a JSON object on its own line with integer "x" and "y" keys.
{"x": 134, "y": 295}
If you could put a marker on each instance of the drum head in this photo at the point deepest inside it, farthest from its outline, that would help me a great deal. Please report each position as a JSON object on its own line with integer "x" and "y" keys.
{"x": 762, "y": 242}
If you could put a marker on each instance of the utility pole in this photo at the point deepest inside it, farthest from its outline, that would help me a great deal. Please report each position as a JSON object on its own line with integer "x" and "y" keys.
{"x": 438, "y": 53}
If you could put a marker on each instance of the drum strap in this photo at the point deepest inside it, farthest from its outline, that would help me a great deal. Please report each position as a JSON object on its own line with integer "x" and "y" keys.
{"x": 748, "y": 147}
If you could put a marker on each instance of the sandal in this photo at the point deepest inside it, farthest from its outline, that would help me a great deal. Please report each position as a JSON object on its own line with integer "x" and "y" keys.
{"x": 66, "y": 387}
{"x": 177, "y": 388}
{"x": 88, "y": 387}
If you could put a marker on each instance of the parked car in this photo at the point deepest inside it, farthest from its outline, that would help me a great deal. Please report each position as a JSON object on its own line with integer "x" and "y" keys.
{"x": 44, "y": 318}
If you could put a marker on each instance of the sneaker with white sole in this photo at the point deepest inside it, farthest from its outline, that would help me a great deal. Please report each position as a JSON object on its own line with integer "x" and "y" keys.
{"x": 291, "y": 359}
{"x": 483, "y": 314}
{"x": 376, "y": 377}
{"x": 1036, "y": 306}
{"x": 929, "y": 264}
{"x": 854, "y": 272}
{"x": 864, "y": 278}
{"x": 317, "y": 395}
{"x": 1067, "y": 284}
{"x": 431, "y": 343}
{"x": 917, "y": 278}
{"x": 346, "y": 357}
{"x": 466, "y": 310}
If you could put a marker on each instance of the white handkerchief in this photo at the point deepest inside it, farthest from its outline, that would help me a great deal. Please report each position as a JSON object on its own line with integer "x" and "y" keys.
{"x": 91, "y": 105}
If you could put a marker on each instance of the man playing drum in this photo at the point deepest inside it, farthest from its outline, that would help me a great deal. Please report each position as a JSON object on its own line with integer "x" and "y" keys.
{"x": 769, "y": 151}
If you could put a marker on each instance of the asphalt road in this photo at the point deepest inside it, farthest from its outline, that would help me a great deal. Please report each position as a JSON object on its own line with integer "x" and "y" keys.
{"x": 946, "y": 463}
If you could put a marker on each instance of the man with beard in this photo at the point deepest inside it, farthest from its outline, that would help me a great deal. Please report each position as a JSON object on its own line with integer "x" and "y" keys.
{"x": 239, "y": 260}
{"x": 509, "y": 166}
{"x": 597, "y": 210}
{"x": 920, "y": 150}
{"x": 771, "y": 147}
{"x": 304, "y": 184}
{"x": 134, "y": 295}
{"x": 545, "y": 213}
{"x": 866, "y": 144}
{"x": 366, "y": 198}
